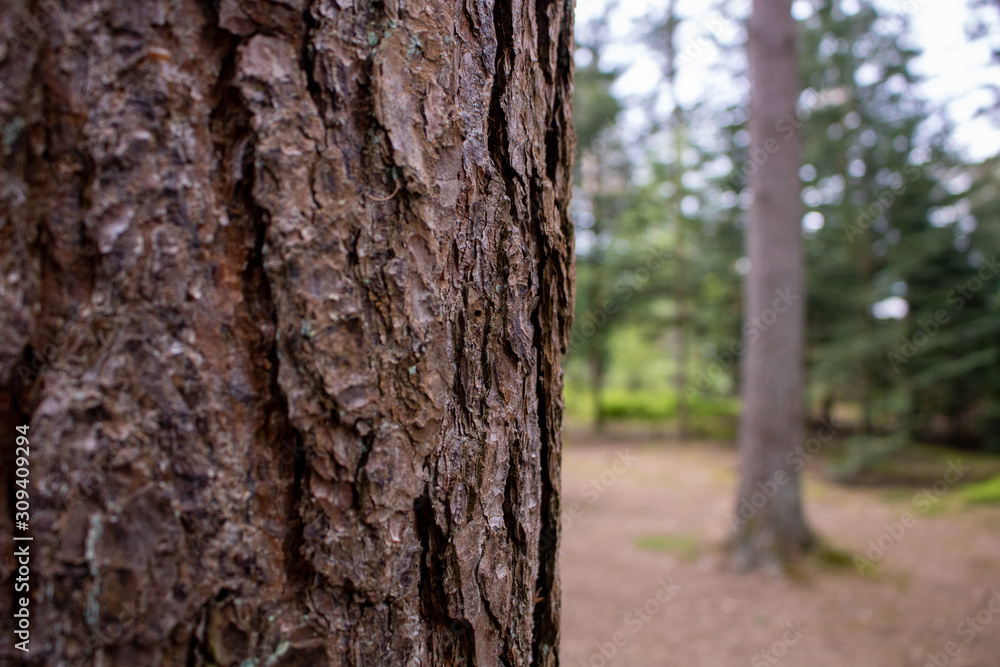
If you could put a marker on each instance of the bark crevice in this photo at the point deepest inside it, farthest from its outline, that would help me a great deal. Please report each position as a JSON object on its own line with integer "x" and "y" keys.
{"x": 452, "y": 639}
{"x": 499, "y": 139}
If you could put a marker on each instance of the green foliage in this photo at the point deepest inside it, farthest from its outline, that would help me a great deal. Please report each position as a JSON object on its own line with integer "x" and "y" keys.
{"x": 711, "y": 417}
{"x": 895, "y": 224}
{"x": 891, "y": 218}
{"x": 624, "y": 404}
{"x": 595, "y": 109}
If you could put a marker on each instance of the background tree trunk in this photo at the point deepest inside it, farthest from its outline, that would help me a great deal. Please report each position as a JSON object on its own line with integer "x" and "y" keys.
{"x": 769, "y": 524}
{"x": 284, "y": 291}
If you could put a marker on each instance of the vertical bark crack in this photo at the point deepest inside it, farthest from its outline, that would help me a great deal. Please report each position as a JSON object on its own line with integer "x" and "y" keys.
{"x": 543, "y": 40}
{"x": 309, "y": 62}
{"x": 499, "y": 140}
{"x": 451, "y": 641}
{"x": 238, "y": 146}
{"x": 545, "y": 638}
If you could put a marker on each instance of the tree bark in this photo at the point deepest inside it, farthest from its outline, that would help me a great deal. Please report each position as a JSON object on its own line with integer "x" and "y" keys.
{"x": 284, "y": 292}
{"x": 769, "y": 526}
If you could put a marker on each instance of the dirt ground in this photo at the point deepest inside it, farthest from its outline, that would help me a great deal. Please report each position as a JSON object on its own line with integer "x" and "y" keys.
{"x": 644, "y": 582}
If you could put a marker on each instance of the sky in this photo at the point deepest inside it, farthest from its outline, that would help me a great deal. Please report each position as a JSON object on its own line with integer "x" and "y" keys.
{"x": 953, "y": 67}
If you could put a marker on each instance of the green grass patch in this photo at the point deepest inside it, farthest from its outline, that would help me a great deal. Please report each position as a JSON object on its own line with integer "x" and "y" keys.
{"x": 684, "y": 546}
{"x": 831, "y": 557}
{"x": 919, "y": 503}
{"x": 823, "y": 557}
{"x": 986, "y": 492}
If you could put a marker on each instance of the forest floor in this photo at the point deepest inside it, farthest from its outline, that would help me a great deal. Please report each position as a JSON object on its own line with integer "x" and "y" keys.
{"x": 645, "y": 582}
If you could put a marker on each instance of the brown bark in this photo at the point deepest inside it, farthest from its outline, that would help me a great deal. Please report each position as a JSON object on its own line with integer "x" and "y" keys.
{"x": 772, "y": 422}
{"x": 284, "y": 292}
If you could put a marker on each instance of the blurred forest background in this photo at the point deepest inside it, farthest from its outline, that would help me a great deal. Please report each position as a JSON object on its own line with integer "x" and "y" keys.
{"x": 901, "y": 227}
{"x": 899, "y": 131}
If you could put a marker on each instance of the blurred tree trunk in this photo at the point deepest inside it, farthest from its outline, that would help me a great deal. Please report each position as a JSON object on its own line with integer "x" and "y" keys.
{"x": 284, "y": 292}
{"x": 597, "y": 343}
{"x": 769, "y": 526}
{"x": 682, "y": 317}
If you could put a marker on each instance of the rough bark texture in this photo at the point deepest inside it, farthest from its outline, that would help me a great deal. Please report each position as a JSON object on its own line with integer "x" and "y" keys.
{"x": 284, "y": 288}
{"x": 772, "y": 422}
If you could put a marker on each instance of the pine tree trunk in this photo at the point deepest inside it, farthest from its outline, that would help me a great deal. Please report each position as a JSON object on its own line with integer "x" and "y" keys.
{"x": 284, "y": 291}
{"x": 769, "y": 525}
